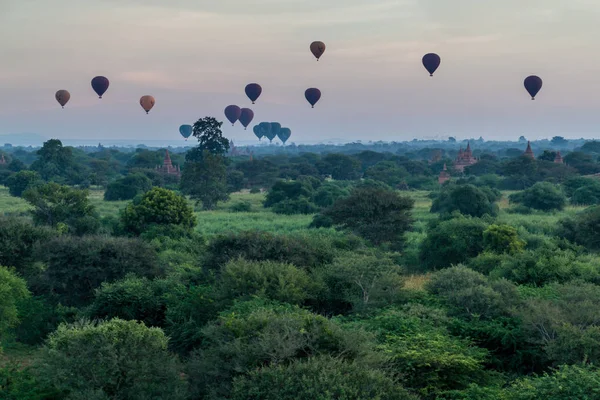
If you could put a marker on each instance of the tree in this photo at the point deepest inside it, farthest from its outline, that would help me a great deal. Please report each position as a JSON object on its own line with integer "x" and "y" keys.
{"x": 467, "y": 199}
{"x": 542, "y": 196}
{"x": 379, "y": 215}
{"x": 114, "y": 359}
{"x": 74, "y": 266}
{"x": 502, "y": 239}
{"x": 157, "y": 207}
{"x": 452, "y": 242}
{"x": 587, "y": 195}
{"x": 18, "y": 238}
{"x": 210, "y": 139}
{"x": 583, "y": 228}
{"x": 547, "y": 155}
{"x": 57, "y": 163}
{"x": 559, "y": 141}
{"x": 127, "y": 187}
{"x": 19, "y": 182}
{"x": 388, "y": 172}
{"x": 342, "y": 167}
{"x": 323, "y": 378}
{"x": 56, "y": 204}
{"x": 12, "y": 291}
{"x": 206, "y": 180}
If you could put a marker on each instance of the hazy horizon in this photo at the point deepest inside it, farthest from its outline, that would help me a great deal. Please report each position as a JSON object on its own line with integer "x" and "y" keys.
{"x": 195, "y": 57}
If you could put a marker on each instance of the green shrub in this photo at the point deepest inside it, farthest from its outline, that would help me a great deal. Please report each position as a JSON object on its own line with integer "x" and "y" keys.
{"x": 128, "y": 187}
{"x": 12, "y": 291}
{"x": 242, "y": 206}
{"x": 114, "y": 359}
{"x": 542, "y": 196}
{"x": 467, "y": 199}
{"x": 261, "y": 334}
{"x": 452, "y": 242}
{"x": 157, "y": 207}
{"x": 20, "y": 383}
{"x": 19, "y": 182}
{"x": 323, "y": 378}
{"x": 301, "y": 205}
{"x": 272, "y": 280}
{"x": 18, "y": 238}
{"x": 502, "y": 239}
{"x": 77, "y": 266}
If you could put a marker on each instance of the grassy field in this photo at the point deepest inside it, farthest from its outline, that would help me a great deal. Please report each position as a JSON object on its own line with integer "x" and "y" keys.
{"x": 223, "y": 219}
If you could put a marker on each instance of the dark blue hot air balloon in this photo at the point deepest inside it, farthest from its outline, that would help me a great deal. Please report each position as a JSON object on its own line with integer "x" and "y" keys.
{"x": 186, "y": 131}
{"x": 233, "y": 113}
{"x": 284, "y": 134}
{"x": 257, "y": 132}
{"x": 313, "y": 95}
{"x": 253, "y": 91}
{"x": 431, "y": 62}
{"x": 533, "y": 84}
{"x": 100, "y": 85}
{"x": 246, "y": 117}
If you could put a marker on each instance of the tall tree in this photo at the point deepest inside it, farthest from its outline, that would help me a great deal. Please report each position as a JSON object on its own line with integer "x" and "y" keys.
{"x": 205, "y": 173}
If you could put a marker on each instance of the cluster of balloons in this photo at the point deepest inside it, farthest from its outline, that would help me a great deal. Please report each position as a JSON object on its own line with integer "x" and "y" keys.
{"x": 100, "y": 85}
{"x": 270, "y": 130}
{"x": 431, "y": 62}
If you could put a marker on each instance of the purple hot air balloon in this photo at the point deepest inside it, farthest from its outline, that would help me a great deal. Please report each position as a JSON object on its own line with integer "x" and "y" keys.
{"x": 233, "y": 113}
{"x": 253, "y": 91}
{"x": 100, "y": 85}
{"x": 431, "y": 62}
{"x": 246, "y": 117}
{"x": 533, "y": 84}
{"x": 312, "y": 96}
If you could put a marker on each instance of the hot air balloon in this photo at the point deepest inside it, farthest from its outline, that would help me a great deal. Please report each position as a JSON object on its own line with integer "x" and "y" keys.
{"x": 246, "y": 117}
{"x": 100, "y": 85}
{"x": 62, "y": 96}
{"x": 431, "y": 62}
{"x": 257, "y": 132}
{"x": 533, "y": 84}
{"x": 253, "y": 91}
{"x": 272, "y": 131}
{"x": 317, "y": 48}
{"x": 312, "y": 95}
{"x": 284, "y": 134}
{"x": 233, "y": 113}
{"x": 186, "y": 131}
{"x": 265, "y": 129}
{"x": 147, "y": 102}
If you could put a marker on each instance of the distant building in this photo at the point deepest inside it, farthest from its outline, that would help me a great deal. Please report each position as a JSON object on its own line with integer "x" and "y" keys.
{"x": 444, "y": 176}
{"x": 437, "y": 156}
{"x": 464, "y": 159}
{"x": 235, "y": 151}
{"x": 529, "y": 152}
{"x": 167, "y": 168}
{"x": 2, "y": 160}
{"x": 558, "y": 159}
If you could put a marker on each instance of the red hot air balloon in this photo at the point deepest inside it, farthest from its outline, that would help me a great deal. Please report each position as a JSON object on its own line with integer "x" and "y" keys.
{"x": 317, "y": 48}
{"x": 246, "y": 117}
{"x": 431, "y": 62}
{"x": 233, "y": 113}
{"x": 147, "y": 102}
{"x": 253, "y": 91}
{"x": 533, "y": 84}
{"x": 313, "y": 95}
{"x": 100, "y": 85}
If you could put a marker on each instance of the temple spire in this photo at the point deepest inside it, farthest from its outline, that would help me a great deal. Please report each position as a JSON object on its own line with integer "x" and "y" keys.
{"x": 529, "y": 152}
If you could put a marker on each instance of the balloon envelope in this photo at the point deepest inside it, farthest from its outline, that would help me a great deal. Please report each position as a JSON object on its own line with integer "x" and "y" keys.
{"x": 233, "y": 113}
{"x": 533, "y": 84}
{"x": 253, "y": 91}
{"x": 100, "y": 85}
{"x": 147, "y": 102}
{"x": 186, "y": 131}
{"x": 257, "y": 132}
{"x": 313, "y": 95}
{"x": 284, "y": 134}
{"x": 62, "y": 96}
{"x": 431, "y": 62}
{"x": 265, "y": 130}
{"x": 317, "y": 48}
{"x": 246, "y": 117}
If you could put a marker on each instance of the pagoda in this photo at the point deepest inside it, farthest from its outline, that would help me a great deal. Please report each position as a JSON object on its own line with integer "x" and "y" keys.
{"x": 167, "y": 168}
{"x": 558, "y": 159}
{"x": 529, "y": 152}
{"x": 464, "y": 159}
{"x": 444, "y": 176}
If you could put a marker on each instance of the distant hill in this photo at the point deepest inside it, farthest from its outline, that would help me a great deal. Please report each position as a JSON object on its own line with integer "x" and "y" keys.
{"x": 23, "y": 139}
